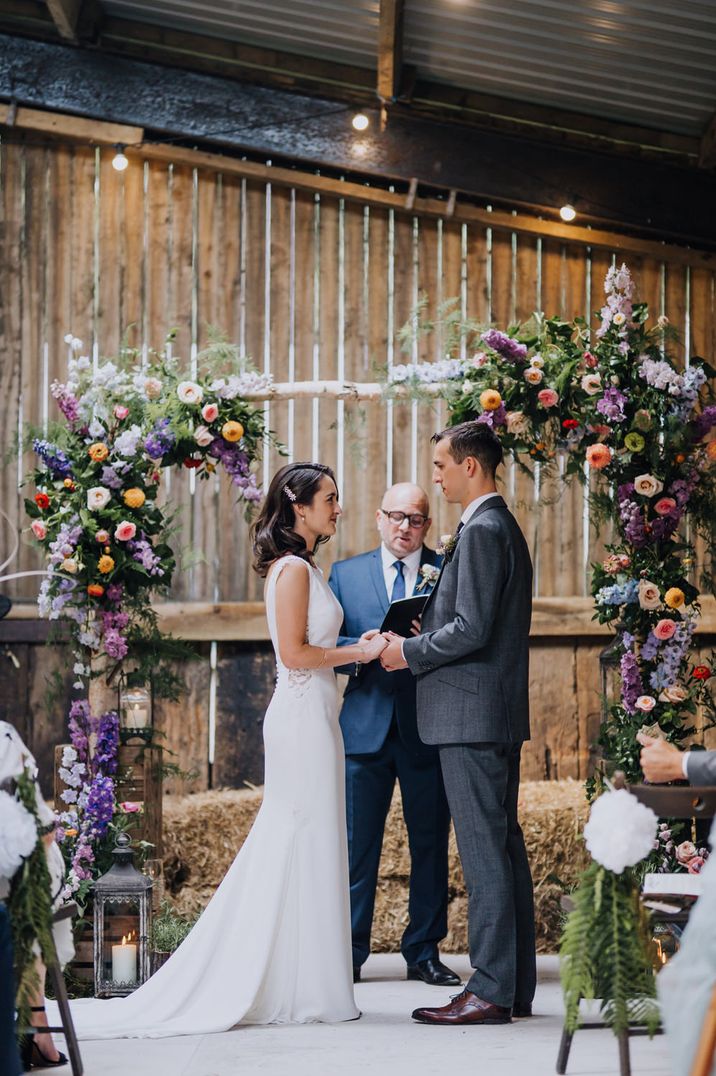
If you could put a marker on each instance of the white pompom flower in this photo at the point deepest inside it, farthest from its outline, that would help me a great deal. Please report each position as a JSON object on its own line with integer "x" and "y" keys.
{"x": 620, "y": 831}
{"x": 18, "y": 834}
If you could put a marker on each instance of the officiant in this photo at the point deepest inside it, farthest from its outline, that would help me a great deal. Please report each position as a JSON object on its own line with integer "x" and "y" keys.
{"x": 378, "y": 720}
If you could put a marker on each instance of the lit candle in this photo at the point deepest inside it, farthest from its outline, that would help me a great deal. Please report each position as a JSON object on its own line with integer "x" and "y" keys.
{"x": 137, "y": 716}
{"x": 124, "y": 962}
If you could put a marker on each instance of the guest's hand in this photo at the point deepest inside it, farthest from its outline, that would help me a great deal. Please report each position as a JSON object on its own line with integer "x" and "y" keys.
{"x": 660, "y": 761}
{"x": 392, "y": 657}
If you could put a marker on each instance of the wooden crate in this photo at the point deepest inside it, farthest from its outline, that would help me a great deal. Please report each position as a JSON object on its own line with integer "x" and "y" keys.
{"x": 138, "y": 780}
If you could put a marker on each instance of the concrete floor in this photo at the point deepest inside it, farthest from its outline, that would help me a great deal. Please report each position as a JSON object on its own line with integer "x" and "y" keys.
{"x": 385, "y": 1042}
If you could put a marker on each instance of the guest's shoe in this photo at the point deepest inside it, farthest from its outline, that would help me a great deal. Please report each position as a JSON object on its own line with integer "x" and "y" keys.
{"x": 32, "y": 1055}
{"x": 522, "y": 1010}
{"x": 465, "y": 1008}
{"x": 356, "y": 974}
{"x": 433, "y": 972}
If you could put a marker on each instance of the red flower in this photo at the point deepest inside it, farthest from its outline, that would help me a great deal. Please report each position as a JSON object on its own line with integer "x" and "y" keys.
{"x": 701, "y": 672}
{"x": 95, "y": 590}
{"x": 42, "y": 500}
{"x": 191, "y": 463}
{"x": 570, "y": 423}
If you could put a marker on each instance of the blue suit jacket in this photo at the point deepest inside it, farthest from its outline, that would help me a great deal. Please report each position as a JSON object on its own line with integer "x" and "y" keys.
{"x": 373, "y": 695}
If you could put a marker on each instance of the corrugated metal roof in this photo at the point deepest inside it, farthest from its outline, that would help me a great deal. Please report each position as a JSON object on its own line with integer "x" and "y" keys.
{"x": 652, "y": 63}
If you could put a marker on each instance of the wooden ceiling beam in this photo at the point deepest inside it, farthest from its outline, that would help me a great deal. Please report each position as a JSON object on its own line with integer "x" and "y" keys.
{"x": 75, "y": 128}
{"x": 390, "y": 49}
{"x": 64, "y": 14}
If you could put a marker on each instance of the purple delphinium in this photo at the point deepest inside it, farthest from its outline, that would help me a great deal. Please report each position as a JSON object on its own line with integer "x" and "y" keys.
{"x": 632, "y": 517}
{"x": 53, "y": 457}
{"x": 159, "y": 440}
{"x": 504, "y": 345}
{"x": 115, "y": 645}
{"x": 79, "y": 726}
{"x": 114, "y": 593}
{"x": 704, "y": 422}
{"x": 632, "y": 686}
{"x": 612, "y": 405}
{"x": 673, "y": 653}
{"x": 237, "y": 464}
{"x": 100, "y": 803}
{"x": 105, "y": 755}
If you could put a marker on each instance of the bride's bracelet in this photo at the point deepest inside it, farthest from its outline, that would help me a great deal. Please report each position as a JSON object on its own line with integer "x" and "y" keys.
{"x": 323, "y": 657}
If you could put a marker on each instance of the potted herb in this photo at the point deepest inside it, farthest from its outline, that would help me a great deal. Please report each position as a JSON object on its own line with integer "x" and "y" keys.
{"x": 169, "y": 929}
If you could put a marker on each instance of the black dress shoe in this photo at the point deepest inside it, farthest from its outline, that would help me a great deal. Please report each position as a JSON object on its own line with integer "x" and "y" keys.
{"x": 522, "y": 1010}
{"x": 356, "y": 974}
{"x": 433, "y": 972}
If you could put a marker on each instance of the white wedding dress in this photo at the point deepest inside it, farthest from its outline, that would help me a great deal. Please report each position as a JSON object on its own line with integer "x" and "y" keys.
{"x": 274, "y": 943}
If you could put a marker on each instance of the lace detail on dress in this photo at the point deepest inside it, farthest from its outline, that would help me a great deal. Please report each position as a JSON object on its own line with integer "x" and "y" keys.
{"x": 298, "y": 681}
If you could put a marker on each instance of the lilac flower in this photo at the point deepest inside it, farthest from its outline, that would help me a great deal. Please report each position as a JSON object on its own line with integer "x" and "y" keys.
{"x": 498, "y": 417}
{"x": 504, "y": 345}
{"x": 237, "y": 464}
{"x": 142, "y": 551}
{"x": 66, "y": 401}
{"x": 160, "y": 440}
{"x": 632, "y": 519}
{"x": 53, "y": 457}
{"x": 612, "y": 405}
{"x": 110, "y": 478}
{"x": 115, "y": 645}
{"x": 114, "y": 592}
{"x": 658, "y": 374}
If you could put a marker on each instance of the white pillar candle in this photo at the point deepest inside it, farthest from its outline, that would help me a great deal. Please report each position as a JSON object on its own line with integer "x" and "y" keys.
{"x": 124, "y": 963}
{"x": 137, "y": 717}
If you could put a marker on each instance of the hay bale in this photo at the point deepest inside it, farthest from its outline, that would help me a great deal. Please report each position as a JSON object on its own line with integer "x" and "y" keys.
{"x": 203, "y": 832}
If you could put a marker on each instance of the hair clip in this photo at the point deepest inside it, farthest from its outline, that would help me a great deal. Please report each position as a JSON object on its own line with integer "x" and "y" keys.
{"x": 290, "y": 494}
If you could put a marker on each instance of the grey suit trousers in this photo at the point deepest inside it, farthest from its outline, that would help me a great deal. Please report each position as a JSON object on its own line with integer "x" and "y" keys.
{"x": 482, "y": 783}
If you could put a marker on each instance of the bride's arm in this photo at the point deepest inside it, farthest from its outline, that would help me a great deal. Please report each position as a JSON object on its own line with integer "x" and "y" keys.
{"x": 292, "y": 593}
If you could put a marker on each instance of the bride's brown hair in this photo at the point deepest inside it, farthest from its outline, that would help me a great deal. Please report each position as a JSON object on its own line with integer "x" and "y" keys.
{"x": 272, "y": 533}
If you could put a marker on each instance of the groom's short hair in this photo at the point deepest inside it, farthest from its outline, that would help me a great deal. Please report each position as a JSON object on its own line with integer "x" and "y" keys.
{"x": 473, "y": 439}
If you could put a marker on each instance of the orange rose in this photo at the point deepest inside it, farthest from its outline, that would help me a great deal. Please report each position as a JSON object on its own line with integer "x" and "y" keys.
{"x": 599, "y": 456}
{"x": 134, "y": 498}
{"x": 232, "y": 431}
{"x": 490, "y": 400}
{"x": 95, "y": 590}
{"x": 105, "y": 564}
{"x": 711, "y": 450}
{"x": 68, "y": 484}
{"x": 98, "y": 451}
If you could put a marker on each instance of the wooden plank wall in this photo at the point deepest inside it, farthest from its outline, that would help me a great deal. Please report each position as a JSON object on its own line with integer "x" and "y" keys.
{"x": 309, "y": 285}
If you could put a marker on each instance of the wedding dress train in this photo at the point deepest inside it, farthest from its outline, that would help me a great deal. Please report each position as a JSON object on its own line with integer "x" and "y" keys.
{"x": 274, "y": 943}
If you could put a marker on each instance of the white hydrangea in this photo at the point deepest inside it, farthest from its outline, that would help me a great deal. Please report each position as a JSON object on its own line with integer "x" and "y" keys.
{"x": 126, "y": 444}
{"x": 18, "y": 834}
{"x": 620, "y": 831}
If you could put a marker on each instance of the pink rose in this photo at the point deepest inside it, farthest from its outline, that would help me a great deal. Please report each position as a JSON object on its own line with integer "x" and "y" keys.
{"x": 591, "y": 360}
{"x": 664, "y": 629}
{"x": 203, "y": 436}
{"x": 547, "y": 397}
{"x": 685, "y": 851}
{"x": 102, "y": 537}
{"x": 478, "y": 359}
{"x": 695, "y": 865}
{"x": 210, "y": 412}
{"x": 120, "y": 411}
{"x": 128, "y": 807}
{"x": 38, "y": 529}
{"x": 664, "y": 505}
{"x": 645, "y": 703}
{"x": 125, "y": 531}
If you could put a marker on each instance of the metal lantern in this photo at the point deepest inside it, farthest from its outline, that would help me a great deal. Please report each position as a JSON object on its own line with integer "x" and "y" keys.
{"x": 135, "y": 713}
{"x": 610, "y": 680}
{"x": 122, "y": 925}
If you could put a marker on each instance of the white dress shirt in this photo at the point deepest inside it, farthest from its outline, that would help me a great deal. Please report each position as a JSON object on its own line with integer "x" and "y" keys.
{"x": 685, "y": 764}
{"x": 411, "y": 566}
{"x": 474, "y": 505}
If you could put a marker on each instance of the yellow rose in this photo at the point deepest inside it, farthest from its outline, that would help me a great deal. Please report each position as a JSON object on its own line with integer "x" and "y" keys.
{"x": 232, "y": 431}
{"x": 134, "y": 498}
{"x": 98, "y": 451}
{"x": 490, "y": 400}
{"x": 105, "y": 564}
{"x": 674, "y": 598}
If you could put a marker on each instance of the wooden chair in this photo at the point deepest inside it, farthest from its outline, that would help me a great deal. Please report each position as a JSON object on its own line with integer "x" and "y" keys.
{"x": 667, "y": 801}
{"x": 66, "y": 1027}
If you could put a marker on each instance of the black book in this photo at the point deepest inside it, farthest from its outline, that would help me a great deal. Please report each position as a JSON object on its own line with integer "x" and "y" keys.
{"x": 402, "y": 613}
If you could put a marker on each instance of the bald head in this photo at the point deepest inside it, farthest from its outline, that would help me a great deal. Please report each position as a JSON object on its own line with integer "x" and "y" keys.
{"x": 402, "y": 538}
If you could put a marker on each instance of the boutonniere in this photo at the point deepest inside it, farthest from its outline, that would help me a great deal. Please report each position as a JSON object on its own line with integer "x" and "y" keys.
{"x": 428, "y": 576}
{"x": 446, "y": 546}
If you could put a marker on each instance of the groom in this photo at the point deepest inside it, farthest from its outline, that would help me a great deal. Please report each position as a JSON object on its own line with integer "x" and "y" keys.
{"x": 471, "y": 664}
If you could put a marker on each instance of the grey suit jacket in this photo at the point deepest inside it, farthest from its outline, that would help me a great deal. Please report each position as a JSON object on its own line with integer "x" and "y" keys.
{"x": 701, "y": 767}
{"x": 471, "y": 659}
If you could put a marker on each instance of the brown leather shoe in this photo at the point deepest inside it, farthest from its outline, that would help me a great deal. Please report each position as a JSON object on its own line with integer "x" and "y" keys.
{"x": 465, "y": 1008}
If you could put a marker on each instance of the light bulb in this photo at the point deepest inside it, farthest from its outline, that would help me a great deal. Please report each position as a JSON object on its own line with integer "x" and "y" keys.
{"x": 360, "y": 121}
{"x": 119, "y": 161}
{"x": 568, "y": 212}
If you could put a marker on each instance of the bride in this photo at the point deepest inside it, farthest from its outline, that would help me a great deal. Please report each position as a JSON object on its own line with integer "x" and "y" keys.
{"x": 274, "y": 943}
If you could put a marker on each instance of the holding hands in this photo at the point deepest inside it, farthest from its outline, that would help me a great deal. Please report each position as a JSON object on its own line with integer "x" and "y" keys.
{"x": 372, "y": 644}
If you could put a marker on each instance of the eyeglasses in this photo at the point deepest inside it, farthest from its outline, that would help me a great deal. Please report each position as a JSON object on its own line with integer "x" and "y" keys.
{"x": 415, "y": 519}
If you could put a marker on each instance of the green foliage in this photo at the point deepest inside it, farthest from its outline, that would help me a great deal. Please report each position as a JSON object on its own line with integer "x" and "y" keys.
{"x": 607, "y": 952}
{"x": 169, "y": 929}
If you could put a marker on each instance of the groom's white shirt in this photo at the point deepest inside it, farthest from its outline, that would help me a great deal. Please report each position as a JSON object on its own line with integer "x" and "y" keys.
{"x": 474, "y": 505}
{"x": 411, "y": 564}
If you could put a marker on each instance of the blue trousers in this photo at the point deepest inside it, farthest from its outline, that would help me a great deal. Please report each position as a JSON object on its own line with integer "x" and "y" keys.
{"x": 370, "y": 780}
{"x": 9, "y": 1058}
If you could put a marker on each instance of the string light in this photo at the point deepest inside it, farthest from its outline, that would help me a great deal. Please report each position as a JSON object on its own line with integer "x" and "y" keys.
{"x": 568, "y": 212}
{"x": 119, "y": 161}
{"x": 360, "y": 121}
